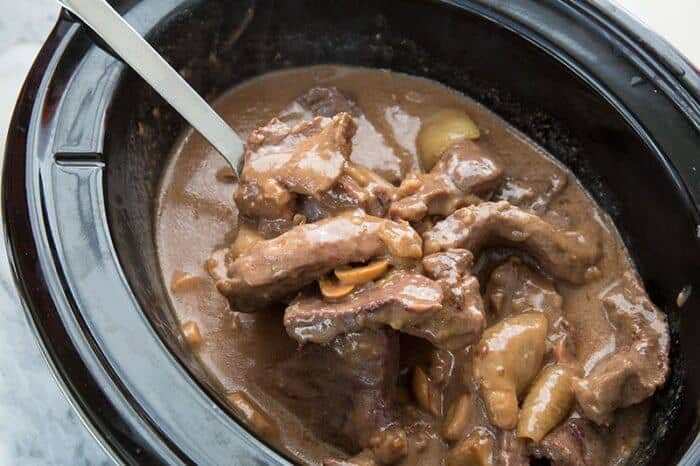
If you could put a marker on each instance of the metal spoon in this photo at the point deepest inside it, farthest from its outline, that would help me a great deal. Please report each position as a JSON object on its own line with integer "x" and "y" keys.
{"x": 134, "y": 50}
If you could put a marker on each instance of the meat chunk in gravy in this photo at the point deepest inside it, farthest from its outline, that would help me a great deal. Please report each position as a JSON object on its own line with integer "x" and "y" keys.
{"x": 482, "y": 313}
{"x": 281, "y": 162}
{"x": 462, "y": 297}
{"x": 327, "y": 101}
{"x": 357, "y": 187}
{"x": 407, "y": 302}
{"x": 464, "y": 175}
{"x": 639, "y": 364}
{"x": 370, "y": 148}
{"x": 568, "y": 255}
{"x": 534, "y": 193}
{"x": 510, "y": 450}
{"x": 275, "y": 268}
{"x": 401, "y": 301}
{"x": 514, "y": 288}
{"x": 577, "y": 442}
{"x": 344, "y": 390}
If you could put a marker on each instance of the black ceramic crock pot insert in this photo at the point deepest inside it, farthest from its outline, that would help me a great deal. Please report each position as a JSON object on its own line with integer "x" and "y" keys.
{"x": 605, "y": 96}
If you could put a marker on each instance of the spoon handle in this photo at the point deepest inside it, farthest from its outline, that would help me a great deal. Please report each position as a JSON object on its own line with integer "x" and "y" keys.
{"x": 134, "y": 50}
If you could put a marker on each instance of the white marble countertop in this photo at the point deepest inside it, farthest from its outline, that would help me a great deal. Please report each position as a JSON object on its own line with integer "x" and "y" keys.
{"x": 37, "y": 425}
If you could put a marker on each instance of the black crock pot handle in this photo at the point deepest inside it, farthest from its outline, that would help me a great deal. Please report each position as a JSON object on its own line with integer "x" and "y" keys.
{"x": 104, "y": 21}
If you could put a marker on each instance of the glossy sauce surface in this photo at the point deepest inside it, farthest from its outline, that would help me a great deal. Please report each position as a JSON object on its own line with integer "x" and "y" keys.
{"x": 196, "y": 216}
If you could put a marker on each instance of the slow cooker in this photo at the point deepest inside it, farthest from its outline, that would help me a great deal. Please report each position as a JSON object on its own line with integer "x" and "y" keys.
{"x": 89, "y": 139}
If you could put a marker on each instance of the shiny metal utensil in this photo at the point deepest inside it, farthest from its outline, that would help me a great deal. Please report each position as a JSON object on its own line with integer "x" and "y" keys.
{"x": 134, "y": 50}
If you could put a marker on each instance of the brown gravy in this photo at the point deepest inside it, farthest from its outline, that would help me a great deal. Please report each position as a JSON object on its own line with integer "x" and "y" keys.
{"x": 196, "y": 215}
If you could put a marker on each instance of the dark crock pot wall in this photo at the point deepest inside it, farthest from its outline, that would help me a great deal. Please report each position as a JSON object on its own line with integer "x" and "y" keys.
{"x": 220, "y": 44}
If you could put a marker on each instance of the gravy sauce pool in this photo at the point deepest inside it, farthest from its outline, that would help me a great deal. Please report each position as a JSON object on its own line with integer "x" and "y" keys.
{"x": 196, "y": 215}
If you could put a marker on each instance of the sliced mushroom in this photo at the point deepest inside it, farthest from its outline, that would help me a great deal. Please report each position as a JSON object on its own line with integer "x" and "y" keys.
{"x": 457, "y": 418}
{"x": 183, "y": 282}
{"x": 251, "y": 414}
{"x": 409, "y": 185}
{"x": 299, "y": 219}
{"x": 475, "y": 450}
{"x": 358, "y": 173}
{"x": 216, "y": 264}
{"x": 226, "y": 175}
{"x": 427, "y": 394}
{"x": 506, "y": 359}
{"x": 363, "y": 274}
{"x": 440, "y": 130}
{"x": 191, "y": 332}
{"x": 548, "y": 402}
{"x": 332, "y": 289}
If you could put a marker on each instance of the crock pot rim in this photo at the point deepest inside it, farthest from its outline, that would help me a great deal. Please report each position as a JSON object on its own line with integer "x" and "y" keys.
{"x": 16, "y": 143}
{"x": 652, "y": 49}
